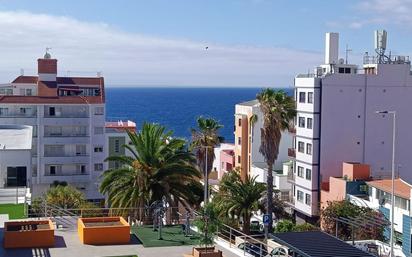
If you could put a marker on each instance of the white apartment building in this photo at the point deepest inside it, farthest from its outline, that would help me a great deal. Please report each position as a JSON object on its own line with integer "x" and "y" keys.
{"x": 247, "y": 142}
{"x": 68, "y": 119}
{"x": 337, "y": 122}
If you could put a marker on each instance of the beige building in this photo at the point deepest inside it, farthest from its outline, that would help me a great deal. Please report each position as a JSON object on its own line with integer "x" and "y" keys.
{"x": 247, "y": 142}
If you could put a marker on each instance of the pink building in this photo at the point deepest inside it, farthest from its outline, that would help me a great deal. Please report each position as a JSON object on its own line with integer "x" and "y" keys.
{"x": 227, "y": 161}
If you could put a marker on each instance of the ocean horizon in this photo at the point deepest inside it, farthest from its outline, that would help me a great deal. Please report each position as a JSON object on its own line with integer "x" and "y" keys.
{"x": 177, "y": 108}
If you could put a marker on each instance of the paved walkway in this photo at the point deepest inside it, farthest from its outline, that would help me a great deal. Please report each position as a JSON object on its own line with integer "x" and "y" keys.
{"x": 68, "y": 245}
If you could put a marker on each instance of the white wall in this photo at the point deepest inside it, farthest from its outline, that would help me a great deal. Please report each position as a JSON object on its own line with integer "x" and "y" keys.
{"x": 14, "y": 158}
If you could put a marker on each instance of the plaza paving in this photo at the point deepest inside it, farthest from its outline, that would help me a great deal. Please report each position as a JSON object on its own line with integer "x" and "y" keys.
{"x": 68, "y": 245}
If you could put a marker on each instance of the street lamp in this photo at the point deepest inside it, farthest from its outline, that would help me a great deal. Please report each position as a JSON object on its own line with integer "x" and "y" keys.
{"x": 393, "y": 113}
{"x": 206, "y": 175}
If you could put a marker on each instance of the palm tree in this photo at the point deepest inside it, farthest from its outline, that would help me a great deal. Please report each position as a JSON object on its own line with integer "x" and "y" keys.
{"x": 240, "y": 197}
{"x": 278, "y": 111}
{"x": 159, "y": 166}
{"x": 204, "y": 139}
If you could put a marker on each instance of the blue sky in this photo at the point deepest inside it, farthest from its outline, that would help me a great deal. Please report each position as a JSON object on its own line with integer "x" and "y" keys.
{"x": 160, "y": 42}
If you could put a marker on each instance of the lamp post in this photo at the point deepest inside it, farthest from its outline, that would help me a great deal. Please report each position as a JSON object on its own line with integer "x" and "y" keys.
{"x": 393, "y": 113}
{"x": 206, "y": 175}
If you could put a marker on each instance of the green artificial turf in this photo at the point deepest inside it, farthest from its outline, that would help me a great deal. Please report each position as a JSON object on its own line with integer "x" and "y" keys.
{"x": 172, "y": 236}
{"x": 15, "y": 211}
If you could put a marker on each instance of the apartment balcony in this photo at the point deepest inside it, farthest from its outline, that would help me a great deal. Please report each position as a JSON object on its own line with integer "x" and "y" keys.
{"x": 74, "y": 177}
{"x": 292, "y": 152}
{"x": 66, "y": 159}
{"x": 18, "y": 115}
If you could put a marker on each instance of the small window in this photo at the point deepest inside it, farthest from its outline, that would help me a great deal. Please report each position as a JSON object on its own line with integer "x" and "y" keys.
{"x": 99, "y": 110}
{"x": 98, "y": 166}
{"x": 52, "y": 111}
{"x": 238, "y": 159}
{"x": 301, "y": 122}
{"x": 299, "y": 196}
{"x": 239, "y": 140}
{"x": 117, "y": 146}
{"x": 309, "y": 123}
{"x": 98, "y": 130}
{"x": 310, "y": 97}
{"x": 309, "y": 149}
{"x": 302, "y": 97}
{"x": 98, "y": 149}
{"x": 300, "y": 171}
{"x": 347, "y": 70}
{"x": 341, "y": 70}
{"x": 301, "y": 147}
{"x": 308, "y": 174}
{"x": 29, "y": 91}
{"x": 240, "y": 122}
{"x": 9, "y": 91}
{"x": 52, "y": 170}
{"x": 307, "y": 199}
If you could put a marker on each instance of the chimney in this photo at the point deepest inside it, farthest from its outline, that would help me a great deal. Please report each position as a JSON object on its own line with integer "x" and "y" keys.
{"x": 332, "y": 48}
{"x": 47, "y": 68}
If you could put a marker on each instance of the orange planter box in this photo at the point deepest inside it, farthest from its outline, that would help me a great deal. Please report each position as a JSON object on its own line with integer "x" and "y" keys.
{"x": 103, "y": 230}
{"x": 28, "y": 234}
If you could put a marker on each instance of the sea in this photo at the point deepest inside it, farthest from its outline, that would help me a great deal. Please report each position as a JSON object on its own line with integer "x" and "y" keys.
{"x": 177, "y": 108}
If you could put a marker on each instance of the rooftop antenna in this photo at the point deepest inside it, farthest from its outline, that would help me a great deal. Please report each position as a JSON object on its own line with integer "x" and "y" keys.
{"x": 347, "y": 50}
{"x": 380, "y": 45}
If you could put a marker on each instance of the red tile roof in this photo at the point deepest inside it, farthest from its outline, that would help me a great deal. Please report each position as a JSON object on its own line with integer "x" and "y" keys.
{"x": 60, "y": 80}
{"x": 51, "y": 99}
{"x": 402, "y": 189}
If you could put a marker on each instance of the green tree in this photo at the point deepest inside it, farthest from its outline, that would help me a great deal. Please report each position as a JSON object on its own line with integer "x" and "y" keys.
{"x": 65, "y": 197}
{"x": 346, "y": 209}
{"x": 207, "y": 223}
{"x": 278, "y": 111}
{"x": 204, "y": 139}
{"x": 289, "y": 226}
{"x": 240, "y": 198}
{"x": 159, "y": 166}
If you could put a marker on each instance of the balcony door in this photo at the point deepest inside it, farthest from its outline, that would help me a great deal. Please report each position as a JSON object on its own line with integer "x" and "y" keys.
{"x": 16, "y": 176}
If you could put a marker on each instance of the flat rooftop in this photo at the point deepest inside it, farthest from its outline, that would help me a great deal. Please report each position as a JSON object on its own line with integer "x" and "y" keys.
{"x": 15, "y": 137}
{"x": 249, "y": 103}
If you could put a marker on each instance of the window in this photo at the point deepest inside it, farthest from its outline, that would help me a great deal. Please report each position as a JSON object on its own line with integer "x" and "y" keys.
{"x": 300, "y": 171}
{"x": 240, "y": 122}
{"x": 29, "y": 91}
{"x": 99, "y": 110}
{"x": 98, "y": 166}
{"x": 308, "y": 174}
{"x": 81, "y": 168}
{"x": 4, "y": 111}
{"x": 52, "y": 170}
{"x": 310, "y": 97}
{"x": 117, "y": 145}
{"x": 301, "y": 147}
{"x": 299, "y": 196}
{"x": 98, "y": 130}
{"x": 347, "y": 70}
{"x": 52, "y": 111}
{"x": 239, "y": 140}
{"x": 238, "y": 159}
{"x": 364, "y": 188}
{"x": 98, "y": 149}
{"x": 80, "y": 150}
{"x": 307, "y": 199}
{"x": 309, "y": 149}
{"x": 309, "y": 123}
{"x": 301, "y": 122}
{"x": 341, "y": 70}
{"x": 302, "y": 96}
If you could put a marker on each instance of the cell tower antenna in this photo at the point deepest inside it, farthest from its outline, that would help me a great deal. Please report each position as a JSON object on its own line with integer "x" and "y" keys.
{"x": 347, "y": 50}
{"x": 380, "y": 45}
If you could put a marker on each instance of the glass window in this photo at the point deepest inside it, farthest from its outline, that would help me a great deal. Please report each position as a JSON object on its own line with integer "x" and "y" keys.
{"x": 240, "y": 122}
{"x": 238, "y": 159}
{"x": 309, "y": 123}
{"x": 301, "y": 147}
{"x": 98, "y": 166}
{"x": 310, "y": 97}
{"x": 308, "y": 174}
{"x": 29, "y": 91}
{"x": 309, "y": 149}
{"x": 98, "y": 130}
{"x": 302, "y": 97}
{"x": 98, "y": 149}
{"x": 99, "y": 110}
{"x": 239, "y": 140}
{"x": 300, "y": 171}
{"x": 299, "y": 196}
{"x": 307, "y": 199}
{"x": 301, "y": 122}
{"x": 117, "y": 146}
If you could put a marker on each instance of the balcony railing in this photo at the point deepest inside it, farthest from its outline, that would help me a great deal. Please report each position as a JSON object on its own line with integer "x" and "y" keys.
{"x": 68, "y": 174}
{"x": 65, "y": 135}
{"x": 53, "y": 154}
{"x": 292, "y": 152}
{"x": 18, "y": 115}
{"x": 291, "y": 176}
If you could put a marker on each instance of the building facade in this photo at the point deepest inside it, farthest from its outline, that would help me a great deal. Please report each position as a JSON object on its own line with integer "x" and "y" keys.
{"x": 337, "y": 121}
{"x": 68, "y": 119}
{"x": 248, "y": 122}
